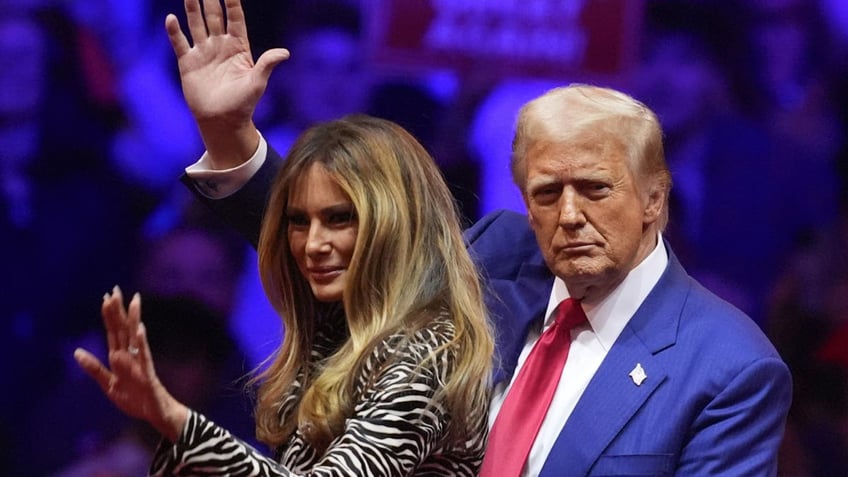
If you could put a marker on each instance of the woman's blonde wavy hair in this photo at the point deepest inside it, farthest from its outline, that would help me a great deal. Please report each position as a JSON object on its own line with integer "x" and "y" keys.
{"x": 409, "y": 265}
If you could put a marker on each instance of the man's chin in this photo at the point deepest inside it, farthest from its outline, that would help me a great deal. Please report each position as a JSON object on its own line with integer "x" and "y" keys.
{"x": 583, "y": 270}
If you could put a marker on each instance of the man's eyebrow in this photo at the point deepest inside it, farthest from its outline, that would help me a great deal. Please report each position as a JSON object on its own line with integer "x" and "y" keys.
{"x": 540, "y": 181}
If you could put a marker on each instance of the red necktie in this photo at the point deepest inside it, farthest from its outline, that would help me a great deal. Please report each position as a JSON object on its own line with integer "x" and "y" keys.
{"x": 527, "y": 401}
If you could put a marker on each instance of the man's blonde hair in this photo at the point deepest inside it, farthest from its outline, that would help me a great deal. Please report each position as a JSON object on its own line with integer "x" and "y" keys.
{"x": 604, "y": 117}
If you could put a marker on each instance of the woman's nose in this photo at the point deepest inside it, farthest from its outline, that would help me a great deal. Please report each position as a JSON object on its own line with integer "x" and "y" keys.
{"x": 318, "y": 240}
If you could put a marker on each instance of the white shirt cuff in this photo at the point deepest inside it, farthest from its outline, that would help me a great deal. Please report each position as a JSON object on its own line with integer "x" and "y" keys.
{"x": 221, "y": 183}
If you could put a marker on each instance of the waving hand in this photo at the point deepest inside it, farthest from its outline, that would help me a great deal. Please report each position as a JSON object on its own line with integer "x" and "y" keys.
{"x": 130, "y": 380}
{"x": 220, "y": 81}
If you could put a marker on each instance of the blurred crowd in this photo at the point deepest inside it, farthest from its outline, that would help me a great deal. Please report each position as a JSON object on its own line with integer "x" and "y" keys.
{"x": 94, "y": 134}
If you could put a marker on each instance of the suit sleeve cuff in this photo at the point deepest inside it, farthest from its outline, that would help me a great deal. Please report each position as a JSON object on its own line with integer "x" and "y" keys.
{"x": 221, "y": 183}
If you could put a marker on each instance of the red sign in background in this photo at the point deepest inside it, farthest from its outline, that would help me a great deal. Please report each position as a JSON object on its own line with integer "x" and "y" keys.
{"x": 546, "y": 38}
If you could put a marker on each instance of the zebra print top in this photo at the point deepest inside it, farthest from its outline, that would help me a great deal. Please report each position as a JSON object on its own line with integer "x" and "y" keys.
{"x": 396, "y": 429}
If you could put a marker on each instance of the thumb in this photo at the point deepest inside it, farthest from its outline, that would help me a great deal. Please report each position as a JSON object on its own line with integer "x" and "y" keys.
{"x": 93, "y": 367}
{"x": 269, "y": 60}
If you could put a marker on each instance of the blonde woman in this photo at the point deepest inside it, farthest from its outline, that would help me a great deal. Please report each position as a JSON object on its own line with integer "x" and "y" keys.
{"x": 386, "y": 359}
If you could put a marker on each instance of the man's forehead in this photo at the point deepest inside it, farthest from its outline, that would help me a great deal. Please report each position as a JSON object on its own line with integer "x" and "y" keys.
{"x": 559, "y": 157}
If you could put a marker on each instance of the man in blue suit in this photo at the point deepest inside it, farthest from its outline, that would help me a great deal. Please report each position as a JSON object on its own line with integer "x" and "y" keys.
{"x": 666, "y": 378}
{"x": 663, "y": 378}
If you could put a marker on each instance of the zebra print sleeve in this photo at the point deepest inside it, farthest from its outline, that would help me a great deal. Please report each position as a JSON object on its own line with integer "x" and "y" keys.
{"x": 204, "y": 448}
{"x": 396, "y": 428}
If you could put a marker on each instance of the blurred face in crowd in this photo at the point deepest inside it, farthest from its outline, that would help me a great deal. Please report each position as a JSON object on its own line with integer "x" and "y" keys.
{"x": 190, "y": 263}
{"x": 322, "y": 229}
{"x": 22, "y": 67}
{"x": 325, "y": 76}
{"x": 680, "y": 83}
{"x": 589, "y": 211}
{"x": 118, "y": 24}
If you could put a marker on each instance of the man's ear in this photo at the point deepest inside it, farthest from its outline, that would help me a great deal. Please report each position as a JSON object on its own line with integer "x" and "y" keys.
{"x": 655, "y": 198}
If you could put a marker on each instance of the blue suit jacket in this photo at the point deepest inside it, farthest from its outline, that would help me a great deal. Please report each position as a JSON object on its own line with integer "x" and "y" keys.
{"x": 716, "y": 396}
{"x": 717, "y": 393}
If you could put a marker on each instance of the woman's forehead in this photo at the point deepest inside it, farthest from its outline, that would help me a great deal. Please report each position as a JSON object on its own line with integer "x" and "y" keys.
{"x": 316, "y": 184}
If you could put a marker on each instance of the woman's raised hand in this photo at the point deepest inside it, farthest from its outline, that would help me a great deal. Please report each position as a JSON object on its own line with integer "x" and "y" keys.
{"x": 130, "y": 381}
{"x": 220, "y": 81}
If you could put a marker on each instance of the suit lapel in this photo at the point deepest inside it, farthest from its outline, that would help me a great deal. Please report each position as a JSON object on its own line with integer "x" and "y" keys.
{"x": 514, "y": 305}
{"x": 612, "y": 398}
{"x": 609, "y": 401}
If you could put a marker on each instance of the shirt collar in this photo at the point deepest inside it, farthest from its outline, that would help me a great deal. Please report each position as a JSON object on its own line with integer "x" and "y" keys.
{"x": 608, "y": 317}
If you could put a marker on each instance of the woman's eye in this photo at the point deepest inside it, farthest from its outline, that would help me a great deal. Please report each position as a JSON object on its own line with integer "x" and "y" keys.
{"x": 342, "y": 218}
{"x": 297, "y": 220}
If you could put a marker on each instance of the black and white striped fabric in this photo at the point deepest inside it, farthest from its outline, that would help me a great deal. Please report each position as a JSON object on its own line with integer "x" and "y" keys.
{"x": 395, "y": 428}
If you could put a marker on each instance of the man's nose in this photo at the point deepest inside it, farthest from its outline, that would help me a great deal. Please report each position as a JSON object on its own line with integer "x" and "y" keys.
{"x": 571, "y": 209}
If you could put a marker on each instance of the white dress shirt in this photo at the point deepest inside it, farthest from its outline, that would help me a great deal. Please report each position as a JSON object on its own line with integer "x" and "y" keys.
{"x": 589, "y": 346}
{"x": 217, "y": 184}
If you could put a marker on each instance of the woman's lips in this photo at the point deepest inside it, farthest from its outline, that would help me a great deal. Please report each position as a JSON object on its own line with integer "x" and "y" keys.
{"x": 324, "y": 274}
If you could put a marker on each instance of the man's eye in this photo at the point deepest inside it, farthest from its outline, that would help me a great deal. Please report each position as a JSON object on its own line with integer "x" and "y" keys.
{"x": 546, "y": 194}
{"x": 545, "y": 190}
{"x": 598, "y": 189}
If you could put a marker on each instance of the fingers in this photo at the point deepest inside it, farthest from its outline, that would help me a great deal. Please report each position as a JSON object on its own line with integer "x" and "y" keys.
{"x": 121, "y": 325}
{"x": 111, "y": 339}
{"x": 214, "y": 17}
{"x": 144, "y": 349}
{"x": 236, "y": 24}
{"x": 205, "y": 23}
{"x": 178, "y": 40}
{"x": 134, "y": 316}
{"x": 133, "y": 321}
{"x": 115, "y": 319}
{"x": 196, "y": 25}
